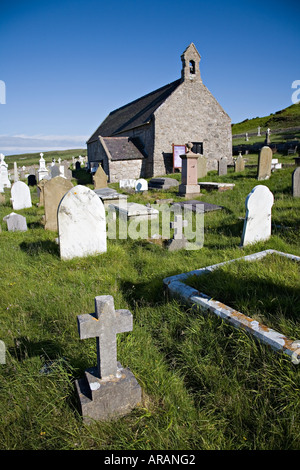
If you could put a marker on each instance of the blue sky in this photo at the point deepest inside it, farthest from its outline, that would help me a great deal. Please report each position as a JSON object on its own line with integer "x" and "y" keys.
{"x": 66, "y": 64}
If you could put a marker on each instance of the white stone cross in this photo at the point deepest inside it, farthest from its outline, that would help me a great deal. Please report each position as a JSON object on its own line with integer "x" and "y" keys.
{"x": 104, "y": 324}
{"x": 178, "y": 225}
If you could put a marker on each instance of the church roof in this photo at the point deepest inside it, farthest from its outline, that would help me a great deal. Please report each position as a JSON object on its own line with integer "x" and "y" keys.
{"x": 134, "y": 114}
{"x": 124, "y": 148}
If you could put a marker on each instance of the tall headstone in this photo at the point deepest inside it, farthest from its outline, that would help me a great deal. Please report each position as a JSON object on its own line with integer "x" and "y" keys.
{"x": 20, "y": 196}
{"x": 42, "y": 171}
{"x": 202, "y": 166}
{"x": 16, "y": 173}
{"x": 189, "y": 186}
{"x": 54, "y": 190}
{"x": 100, "y": 178}
{"x": 258, "y": 131}
{"x": 15, "y": 222}
{"x": 257, "y": 224}
{"x": 222, "y": 166}
{"x": 81, "y": 224}
{"x": 107, "y": 391}
{"x": 296, "y": 182}
{"x": 264, "y": 163}
{"x": 4, "y": 180}
{"x": 239, "y": 164}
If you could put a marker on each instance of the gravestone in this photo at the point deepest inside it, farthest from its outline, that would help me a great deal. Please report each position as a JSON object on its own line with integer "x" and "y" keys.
{"x": 81, "y": 224}
{"x": 4, "y": 180}
{"x": 239, "y": 164}
{"x": 15, "y": 222}
{"x": 107, "y": 391}
{"x": 67, "y": 171}
{"x": 133, "y": 210}
{"x": 222, "y": 166}
{"x": 42, "y": 171}
{"x": 54, "y": 190}
{"x": 77, "y": 165}
{"x": 162, "y": 183}
{"x": 31, "y": 180}
{"x": 198, "y": 206}
{"x": 141, "y": 185}
{"x": 257, "y": 224}
{"x": 296, "y": 182}
{"x": 100, "y": 178}
{"x": 54, "y": 171}
{"x": 258, "y": 131}
{"x": 202, "y": 166}
{"x": 264, "y": 163}
{"x": 40, "y": 189}
{"x": 16, "y": 173}
{"x": 178, "y": 241}
{"x": 127, "y": 183}
{"x": 20, "y": 196}
{"x": 109, "y": 196}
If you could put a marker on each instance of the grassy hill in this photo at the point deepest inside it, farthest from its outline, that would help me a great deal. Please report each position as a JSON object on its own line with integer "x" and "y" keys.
{"x": 28, "y": 159}
{"x": 284, "y": 119}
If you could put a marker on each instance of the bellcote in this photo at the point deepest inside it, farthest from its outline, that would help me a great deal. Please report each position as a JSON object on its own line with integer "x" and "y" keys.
{"x": 190, "y": 64}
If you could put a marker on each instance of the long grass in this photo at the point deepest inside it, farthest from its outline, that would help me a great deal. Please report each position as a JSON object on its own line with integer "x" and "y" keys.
{"x": 205, "y": 385}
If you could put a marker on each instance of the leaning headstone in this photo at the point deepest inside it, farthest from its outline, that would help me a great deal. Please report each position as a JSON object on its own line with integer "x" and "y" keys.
{"x": 296, "y": 182}
{"x": 257, "y": 224}
{"x": 15, "y": 222}
{"x": 20, "y": 196}
{"x": 264, "y": 163}
{"x": 141, "y": 185}
{"x": 222, "y": 166}
{"x": 81, "y": 224}
{"x": 202, "y": 166}
{"x": 54, "y": 190}
{"x": 107, "y": 391}
{"x": 239, "y": 164}
{"x": 100, "y": 178}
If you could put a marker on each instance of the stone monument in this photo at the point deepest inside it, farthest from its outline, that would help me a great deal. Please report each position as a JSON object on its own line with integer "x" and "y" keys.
{"x": 264, "y": 163}
{"x": 189, "y": 186}
{"x": 107, "y": 391}
{"x": 296, "y": 182}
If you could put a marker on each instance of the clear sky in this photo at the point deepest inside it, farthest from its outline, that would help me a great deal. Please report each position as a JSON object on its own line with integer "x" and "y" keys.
{"x": 67, "y": 63}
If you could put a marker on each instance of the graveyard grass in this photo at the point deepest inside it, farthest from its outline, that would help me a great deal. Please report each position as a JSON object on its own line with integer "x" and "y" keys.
{"x": 205, "y": 385}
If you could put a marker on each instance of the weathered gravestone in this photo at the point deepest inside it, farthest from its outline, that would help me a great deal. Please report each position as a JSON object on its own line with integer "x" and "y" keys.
{"x": 296, "y": 182}
{"x": 20, "y": 196}
{"x": 4, "y": 180}
{"x": 100, "y": 178}
{"x": 178, "y": 241}
{"x": 54, "y": 171}
{"x": 54, "y": 190}
{"x": 141, "y": 185}
{"x": 264, "y": 163}
{"x": 202, "y": 166}
{"x": 81, "y": 223}
{"x": 31, "y": 180}
{"x": 257, "y": 224}
{"x": 107, "y": 391}
{"x": 2, "y": 352}
{"x": 40, "y": 189}
{"x": 239, "y": 164}
{"x": 15, "y": 222}
{"x": 189, "y": 173}
{"x": 222, "y": 166}
{"x": 127, "y": 183}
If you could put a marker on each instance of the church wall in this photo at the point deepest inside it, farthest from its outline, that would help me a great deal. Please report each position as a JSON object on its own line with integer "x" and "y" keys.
{"x": 191, "y": 113}
{"x": 96, "y": 153}
{"x": 125, "y": 169}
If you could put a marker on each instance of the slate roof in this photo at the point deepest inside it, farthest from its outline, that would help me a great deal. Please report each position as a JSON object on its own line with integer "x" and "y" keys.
{"x": 134, "y": 114}
{"x": 124, "y": 148}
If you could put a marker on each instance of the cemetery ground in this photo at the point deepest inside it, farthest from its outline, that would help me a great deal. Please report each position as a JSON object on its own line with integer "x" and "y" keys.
{"x": 205, "y": 385}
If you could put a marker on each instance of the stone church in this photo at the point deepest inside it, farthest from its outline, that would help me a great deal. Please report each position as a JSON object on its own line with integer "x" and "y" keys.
{"x": 137, "y": 139}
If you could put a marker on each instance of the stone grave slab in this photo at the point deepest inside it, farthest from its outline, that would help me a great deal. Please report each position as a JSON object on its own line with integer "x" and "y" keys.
{"x": 110, "y": 196}
{"x": 15, "y": 222}
{"x": 81, "y": 224}
{"x": 162, "y": 183}
{"x": 199, "y": 206}
{"x": 212, "y": 185}
{"x": 20, "y": 196}
{"x": 133, "y": 210}
{"x": 107, "y": 391}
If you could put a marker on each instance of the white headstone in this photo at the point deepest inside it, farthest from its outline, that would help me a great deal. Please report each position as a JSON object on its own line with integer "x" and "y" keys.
{"x": 15, "y": 222}
{"x": 20, "y": 195}
{"x": 81, "y": 223}
{"x": 141, "y": 185}
{"x": 42, "y": 171}
{"x": 128, "y": 183}
{"x": 4, "y": 180}
{"x": 257, "y": 224}
{"x": 16, "y": 174}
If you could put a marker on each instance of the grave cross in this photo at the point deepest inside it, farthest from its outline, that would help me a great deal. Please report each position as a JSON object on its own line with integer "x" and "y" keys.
{"x": 178, "y": 225}
{"x": 104, "y": 324}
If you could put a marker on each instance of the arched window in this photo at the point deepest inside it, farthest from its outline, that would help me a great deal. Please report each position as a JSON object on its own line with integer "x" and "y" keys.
{"x": 192, "y": 67}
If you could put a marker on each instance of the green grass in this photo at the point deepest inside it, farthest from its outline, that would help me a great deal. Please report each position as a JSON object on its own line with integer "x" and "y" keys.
{"x": 205, "y": 384}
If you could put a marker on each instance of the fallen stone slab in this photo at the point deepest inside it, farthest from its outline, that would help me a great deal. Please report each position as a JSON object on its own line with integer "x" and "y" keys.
{"x": 212, "y": 185}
